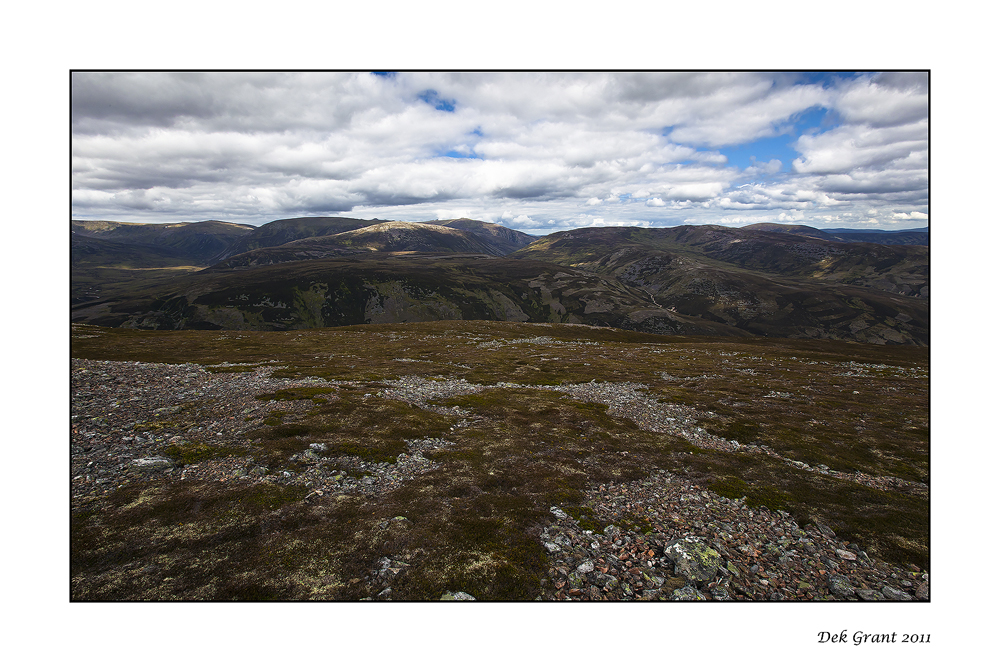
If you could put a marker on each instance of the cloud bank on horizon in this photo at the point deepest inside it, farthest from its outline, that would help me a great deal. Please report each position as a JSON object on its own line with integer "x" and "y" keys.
{"x": 538, "y": 152}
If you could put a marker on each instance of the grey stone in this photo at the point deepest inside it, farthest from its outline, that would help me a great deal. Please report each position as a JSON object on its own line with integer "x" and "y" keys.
{"x": 152, "y": 464}
{"x": 605, "y": 581}
{"x": 575, "y": 580}
{"x": 869, "y": 595}
{"x": 895, "y": 594}
{"x": 552, "y": 548}
{"x": 840, "y": 586}
{"x": 694, "y": 559}
{"x": 585, "y": 567}
{"x": 826, "y": 531}
{"x": 457, "y": 596}
{"x": 721, "y": 594}
{"x": 557, "y": 512}
{"x": 924, "y": 591}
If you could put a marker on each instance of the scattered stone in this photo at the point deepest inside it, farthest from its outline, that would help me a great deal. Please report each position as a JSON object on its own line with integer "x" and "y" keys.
{"x": 687, "y": 594}
{"x": 457, "y": 596}
{"x": 895, "y": 594}
{"x": 826, "y": 531}
{"x": 152, "y": 464}
{"x": 743, "y": 545}
{"x": 846, "y": 555}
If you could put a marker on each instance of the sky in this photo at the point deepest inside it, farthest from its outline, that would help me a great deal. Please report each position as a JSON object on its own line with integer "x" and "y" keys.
{"x": 535, "y": 151}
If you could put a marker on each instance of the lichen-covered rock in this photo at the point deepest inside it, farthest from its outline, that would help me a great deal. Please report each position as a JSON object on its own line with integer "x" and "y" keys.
{"x": 458, "y": 595}
{"x": 721, "y": 594}
{"x": 693, "y": 559}
{"x": 687, "y": 594}
{"x": 840, "y": 586}
{"x": 605, "y": 581}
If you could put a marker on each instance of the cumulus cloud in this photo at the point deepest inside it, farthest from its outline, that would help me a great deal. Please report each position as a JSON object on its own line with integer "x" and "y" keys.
{"x": 849, "y": 147}
{"x": 540, "y": 150}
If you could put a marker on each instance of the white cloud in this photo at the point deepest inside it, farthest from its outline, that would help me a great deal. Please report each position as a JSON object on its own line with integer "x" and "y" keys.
{"x": 887, "y": 99}
{"x": 563, "y": 149}
{"x": 850, "y": 147}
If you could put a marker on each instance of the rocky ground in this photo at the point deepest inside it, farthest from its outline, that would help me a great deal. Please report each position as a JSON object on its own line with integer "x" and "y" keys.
{"x": 701, "y": 546}
{"x": 691, "y": 544}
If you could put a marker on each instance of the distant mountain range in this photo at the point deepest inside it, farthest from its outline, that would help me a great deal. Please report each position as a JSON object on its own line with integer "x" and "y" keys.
{"x": 903, "y": 237}
{"x": 760, "y": 280}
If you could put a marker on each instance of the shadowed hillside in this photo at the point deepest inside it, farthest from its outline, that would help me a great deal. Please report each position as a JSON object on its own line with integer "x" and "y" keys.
{"x": 197, "y": 242}
{"x": 387, "y": 288}
{"x": 327, "y": 271}
{"x": 767, "y": 283}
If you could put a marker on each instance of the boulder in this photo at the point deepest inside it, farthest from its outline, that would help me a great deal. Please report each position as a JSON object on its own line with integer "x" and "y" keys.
{"x": 693, "y": 559}
{"x": 840, "y": 587}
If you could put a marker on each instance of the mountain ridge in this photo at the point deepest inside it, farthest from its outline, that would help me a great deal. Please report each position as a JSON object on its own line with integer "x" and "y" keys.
{"x": 751, "y": 281}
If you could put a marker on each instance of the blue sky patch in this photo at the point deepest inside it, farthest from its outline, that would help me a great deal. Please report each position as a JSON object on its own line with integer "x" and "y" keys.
{"x": 431, "y": 97}
{"x": 780, "y": 147}
{"x": 762, "y": 151}
{"x": 455, "y": 154}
